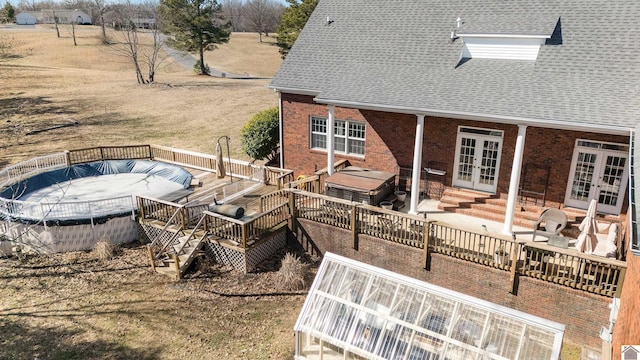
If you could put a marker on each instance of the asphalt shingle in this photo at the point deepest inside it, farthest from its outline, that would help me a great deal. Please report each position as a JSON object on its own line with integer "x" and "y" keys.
{"x": 398, "y": 53}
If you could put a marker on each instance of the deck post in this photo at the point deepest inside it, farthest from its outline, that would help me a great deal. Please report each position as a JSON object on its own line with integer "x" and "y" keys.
{"x": 292, "y": 211}
{"x": 176, "y": 262}
{"x": 67, "y": 155}
{"x": 515, "y": 249}
{"x": 618, "y": 291}
{"x": 183, "y": 220}
{"x": 425, "y": 245}
{"x": 354, "y": 226}
{"x": 243, "y": 233}
{"x": 150, "y": 252}
{"x": 141, "y": 207}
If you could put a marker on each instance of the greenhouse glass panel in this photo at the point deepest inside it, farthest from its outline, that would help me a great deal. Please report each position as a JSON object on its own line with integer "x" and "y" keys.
{"x": 356, "y": 311}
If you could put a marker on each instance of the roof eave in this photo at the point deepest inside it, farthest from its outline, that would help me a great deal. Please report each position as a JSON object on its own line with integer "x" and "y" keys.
{"x": 506, "y": 36}
{"x": 296, "y": 91}
{"x": 513, "y": 120}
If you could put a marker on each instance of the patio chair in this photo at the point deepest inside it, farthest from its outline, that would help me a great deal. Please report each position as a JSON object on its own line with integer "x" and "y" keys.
{"x": 551, "y": 222}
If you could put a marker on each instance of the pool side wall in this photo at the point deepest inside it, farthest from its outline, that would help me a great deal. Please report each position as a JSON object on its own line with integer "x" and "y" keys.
{"x": 57, "y": 239}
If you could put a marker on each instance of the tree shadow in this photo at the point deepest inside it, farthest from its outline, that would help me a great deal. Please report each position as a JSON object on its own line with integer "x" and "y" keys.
{"x": 34, "y": 105}
{"x": 22, "y": 341}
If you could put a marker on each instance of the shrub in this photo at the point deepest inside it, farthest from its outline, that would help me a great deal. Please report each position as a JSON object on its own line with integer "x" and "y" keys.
{"x": 196, "y": 68}
{"x": 292, "y": 273}
{"x": 104, "y": 249}
{"x": 260, "y": 135}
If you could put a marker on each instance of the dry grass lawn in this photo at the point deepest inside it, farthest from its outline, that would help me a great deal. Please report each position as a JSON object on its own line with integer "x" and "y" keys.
{"x": 53, "y": 82}
{"x": 75, "y": 306}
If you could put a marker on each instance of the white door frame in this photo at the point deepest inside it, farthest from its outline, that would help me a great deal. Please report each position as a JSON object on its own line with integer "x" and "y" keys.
{"x": 594, "y": 180}
{"x": 475, "y": 167}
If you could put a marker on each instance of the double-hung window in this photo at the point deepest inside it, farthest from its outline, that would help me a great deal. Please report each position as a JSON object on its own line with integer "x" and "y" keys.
{"x": 349, "y": 136}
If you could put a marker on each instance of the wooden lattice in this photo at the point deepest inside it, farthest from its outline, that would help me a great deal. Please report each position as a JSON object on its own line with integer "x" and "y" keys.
{"x": 245, "y": 262}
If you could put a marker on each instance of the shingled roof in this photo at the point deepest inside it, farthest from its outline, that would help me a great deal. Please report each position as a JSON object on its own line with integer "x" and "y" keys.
{"x": 397, "y": 55}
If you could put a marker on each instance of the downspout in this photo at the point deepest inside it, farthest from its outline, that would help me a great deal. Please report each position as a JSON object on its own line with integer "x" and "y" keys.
{"x": 634, "y": 180}
{"x": 514, "y": 180}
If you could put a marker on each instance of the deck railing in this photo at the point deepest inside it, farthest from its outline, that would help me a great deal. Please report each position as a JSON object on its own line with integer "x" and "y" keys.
{"x": 100, "y": 153}
{"x": 537, "y": 260}
{"x": 309, "y": 184}
{"x": 32, "y": 167}
{"x": 244, "y": 233}
{"x": 155, "y": 209}
{"x": 273, "y": 200}
{"x": 323, "y": 173}
{"x": 238, "y": 168}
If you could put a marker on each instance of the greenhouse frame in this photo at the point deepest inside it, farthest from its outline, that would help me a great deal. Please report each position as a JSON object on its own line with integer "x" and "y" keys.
{"x": 358, "y": 311}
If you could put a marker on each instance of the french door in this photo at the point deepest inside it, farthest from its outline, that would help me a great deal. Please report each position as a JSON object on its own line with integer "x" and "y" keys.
{"x": 477, "y": 159}
{"x": 599, "y": 171}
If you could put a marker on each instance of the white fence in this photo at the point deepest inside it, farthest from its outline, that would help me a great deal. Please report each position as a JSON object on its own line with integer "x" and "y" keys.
{"x": 63, "y": 211}
{"x": 32, "y": 167}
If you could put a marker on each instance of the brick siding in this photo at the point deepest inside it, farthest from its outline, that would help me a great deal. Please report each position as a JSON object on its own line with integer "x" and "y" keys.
{"x": 582, "y": 313}
{"x": 627, "y": 328}
{"x": 390, "y": 140}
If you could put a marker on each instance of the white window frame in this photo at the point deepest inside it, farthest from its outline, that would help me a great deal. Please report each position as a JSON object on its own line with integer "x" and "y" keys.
{"x": 343, "y": 134}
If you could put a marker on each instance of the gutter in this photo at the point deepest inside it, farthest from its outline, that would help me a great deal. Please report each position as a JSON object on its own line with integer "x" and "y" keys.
{"x": 295, "y": 91}
{"x": 503, "y": 36}
{"x": 513, "y": 120}
{"x": 634, "y": 182}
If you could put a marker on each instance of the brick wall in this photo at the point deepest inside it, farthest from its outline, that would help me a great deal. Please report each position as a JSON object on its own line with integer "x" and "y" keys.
{"x": 627, "y": 328}
{"x": 582, "y": 313}
{"x": 390, "y": 140}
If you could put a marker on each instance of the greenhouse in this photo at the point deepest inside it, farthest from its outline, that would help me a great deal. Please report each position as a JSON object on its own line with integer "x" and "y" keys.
{"x": 358, "y": 311}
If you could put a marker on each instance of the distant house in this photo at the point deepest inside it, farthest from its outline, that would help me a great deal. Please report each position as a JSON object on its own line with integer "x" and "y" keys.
{"x": 25, "y": 18}
{"x": 64, "y": 16}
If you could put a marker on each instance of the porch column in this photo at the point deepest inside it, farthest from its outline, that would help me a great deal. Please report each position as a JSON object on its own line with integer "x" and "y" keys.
{"x": 330, "y": 146}
{"x": 281, "y": 130}
{"x": 417, "y": 163}
{"x": 514, "y": 180}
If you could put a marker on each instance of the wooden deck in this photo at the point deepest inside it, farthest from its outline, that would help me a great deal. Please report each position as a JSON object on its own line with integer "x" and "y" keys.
{"x": 210, "y": 187}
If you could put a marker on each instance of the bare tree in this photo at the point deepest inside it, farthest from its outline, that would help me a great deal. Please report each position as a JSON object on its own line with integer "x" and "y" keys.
{"x": 102, "y": 7}
{"x": 234, "y": 11}
{"x": 73, "y": 32}
{"x": 141, "y": 46}
{"x": 263, "y": 16}
{"x": 55, "y": 21}
{"x": 257, "y": 15}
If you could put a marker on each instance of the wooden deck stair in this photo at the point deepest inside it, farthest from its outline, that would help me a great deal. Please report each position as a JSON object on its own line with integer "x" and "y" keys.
{"x": 490, "y": 207}
{"x": 184, "y": 250}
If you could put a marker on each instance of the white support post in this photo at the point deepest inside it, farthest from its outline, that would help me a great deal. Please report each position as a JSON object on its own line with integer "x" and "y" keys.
{"x": 281, "y": 130}
{"x": 417, "y": 164}
{"x": 330, "y": 146}
{"x": 516, "y": 168}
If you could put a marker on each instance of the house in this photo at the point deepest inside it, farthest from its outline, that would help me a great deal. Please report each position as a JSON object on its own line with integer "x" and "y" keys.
{"x": 525, "y": 103}
{"x": 64, "y": 16}
{"x": 25, "y": 18}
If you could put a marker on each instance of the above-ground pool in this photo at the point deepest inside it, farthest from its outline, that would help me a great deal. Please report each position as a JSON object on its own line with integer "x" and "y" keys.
{"x": 90, "y": 193}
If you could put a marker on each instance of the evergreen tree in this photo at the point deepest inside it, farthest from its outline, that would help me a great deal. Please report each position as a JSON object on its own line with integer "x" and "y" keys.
{"x": 292, "y": 22}
{"x": 8, "y": 12}
{"x": 195, "y": 26}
